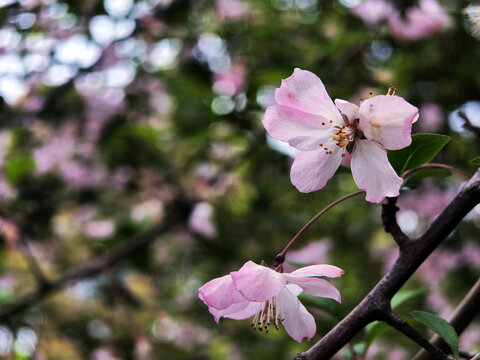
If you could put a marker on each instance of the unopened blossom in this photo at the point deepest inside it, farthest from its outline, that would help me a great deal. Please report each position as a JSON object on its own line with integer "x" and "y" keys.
{"x": 329, "y": 134}
{"x": 271, "y": 297}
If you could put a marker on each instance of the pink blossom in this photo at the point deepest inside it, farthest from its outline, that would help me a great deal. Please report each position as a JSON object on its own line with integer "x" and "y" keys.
{"x": 373, "y": 11}
{"x": 231, "y": 9}
{"x": 432, "y": 117}
{"x": 270, "y": 296}
{"x": 231, "y": 81}
{"x": 427, "y": 19}
{"x": 306, "y": 118}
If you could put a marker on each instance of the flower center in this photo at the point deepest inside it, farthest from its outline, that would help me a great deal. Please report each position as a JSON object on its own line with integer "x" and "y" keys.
{"x": 270, "y": 311}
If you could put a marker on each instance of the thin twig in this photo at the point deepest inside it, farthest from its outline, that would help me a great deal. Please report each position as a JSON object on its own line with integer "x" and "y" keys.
{"x": 280, "y": 258}
{"x": 468, "y": 124}
{"x": 401, "y": 325}
{"x": 96, "y": 266}
{"x": 389, "y": 210}
{"x": 410, "y": 172}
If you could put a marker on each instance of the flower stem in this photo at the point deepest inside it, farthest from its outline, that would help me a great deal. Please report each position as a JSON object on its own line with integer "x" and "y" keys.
{"x": 280, "y": 258}
{"x": 408, "y": 173}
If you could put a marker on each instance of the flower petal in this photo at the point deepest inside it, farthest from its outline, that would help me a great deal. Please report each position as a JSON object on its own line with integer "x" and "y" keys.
{"x": 220, "y": 293}
{"x": 304, "y": 91}
{"x": 301, "y": 130}
{"x": 347, "y": 108}
{"x": 231, "y": 310}
{"x": 251, "y": 309}
{"x": 257, "y": 283}
{"x": 298, "y": 322}
{"x": 312, "y": 169}
{"x": 318, "y": 270}
{"x": 317, "y": 287}
{"x": 388, "y": 120}
{"x": 373, "y": 173}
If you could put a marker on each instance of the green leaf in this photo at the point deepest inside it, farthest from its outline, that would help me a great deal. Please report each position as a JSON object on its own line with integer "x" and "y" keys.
{"x": 374, "y": 330}
{"x": 423, "y": 148}
{"x": 475, "y": 161}
{"x": 440, "y": 327}
{"x": 440, "y": 173}
{"x": 18, "y": 167}
{"x": 403, "y": 296}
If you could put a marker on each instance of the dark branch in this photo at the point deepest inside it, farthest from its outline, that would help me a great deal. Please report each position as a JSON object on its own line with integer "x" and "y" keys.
{"x": 468, "y": 124}
{"x": 389, "y": 211}
{"x": 96, "y": 266}
{"x": 412, "y": 254}
{"x": 462, "y": 317}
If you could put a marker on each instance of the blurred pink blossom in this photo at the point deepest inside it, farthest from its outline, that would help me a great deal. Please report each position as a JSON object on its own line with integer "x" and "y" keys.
{"x": 99, "y": 229}
{"x": 374, "y": 11}
{"x": 431, "y": 116}
{"x": 231, "y": 9}
{"x": 427, "y": 19}
{"x": 231, "y": 81}
{"x": 201, "y": 220}
{"x": 314, "y": 252}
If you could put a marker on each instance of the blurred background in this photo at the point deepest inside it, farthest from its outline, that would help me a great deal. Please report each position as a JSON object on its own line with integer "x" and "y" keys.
{"x": 114, "y": 112}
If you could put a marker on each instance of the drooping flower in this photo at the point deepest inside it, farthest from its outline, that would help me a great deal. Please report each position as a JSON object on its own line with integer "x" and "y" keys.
{"x": 270, "y": 296}
{"x": 329, "y": 134}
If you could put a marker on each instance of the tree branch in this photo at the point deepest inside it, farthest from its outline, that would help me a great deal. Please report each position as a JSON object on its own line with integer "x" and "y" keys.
{"x": 175, "y": 215}
{"x": 389, "y": 211}
{"x": 412, "y": 254}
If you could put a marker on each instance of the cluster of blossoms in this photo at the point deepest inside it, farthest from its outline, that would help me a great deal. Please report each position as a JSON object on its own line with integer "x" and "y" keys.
{"x": 327, "y": 134}
{"x": 270, "y": 296}
{"x": 426, "y": 19}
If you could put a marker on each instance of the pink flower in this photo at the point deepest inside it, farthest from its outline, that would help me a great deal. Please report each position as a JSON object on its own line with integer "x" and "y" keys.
{"x": 373, "y": 11}
{"x": 326, "y": 133}
{"x": 270, "y": 296}
{"x": 427, "y": 19}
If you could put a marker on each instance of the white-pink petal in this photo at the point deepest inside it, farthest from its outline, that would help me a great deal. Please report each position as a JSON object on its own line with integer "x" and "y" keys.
{"x": 387, "y": 119}
{"x": 317, "y": 287}
{"x": 220, "y": 293}
{"x": 232, "y": 309}
{"x": 299, "y": 129}
{"x": 312, "y": 169}
{"x": 251, "y": 309}
{"x": 373, "y": 173}
{"x": 347, "y": 108}
{"x": 298, "y": 323}
{"x": 257, "y": 283}
{"x": 318, "y": 270}
{"x": 304, "y": 91}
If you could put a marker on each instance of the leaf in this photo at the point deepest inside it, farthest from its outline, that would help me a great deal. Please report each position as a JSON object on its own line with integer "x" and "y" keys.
{"x": 475, "y": 161}
{"x": 440, "y": 173}
{"x": 374, "y": 330}
{"x": 403, "y": 296}
{"x": 18, "y": 167}
{"x": 440, "y": 327}
{"x": 423, "y": 148}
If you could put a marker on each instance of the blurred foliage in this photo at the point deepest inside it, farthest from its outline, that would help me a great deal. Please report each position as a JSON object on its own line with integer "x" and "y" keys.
{"x": 157, "y": 101}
